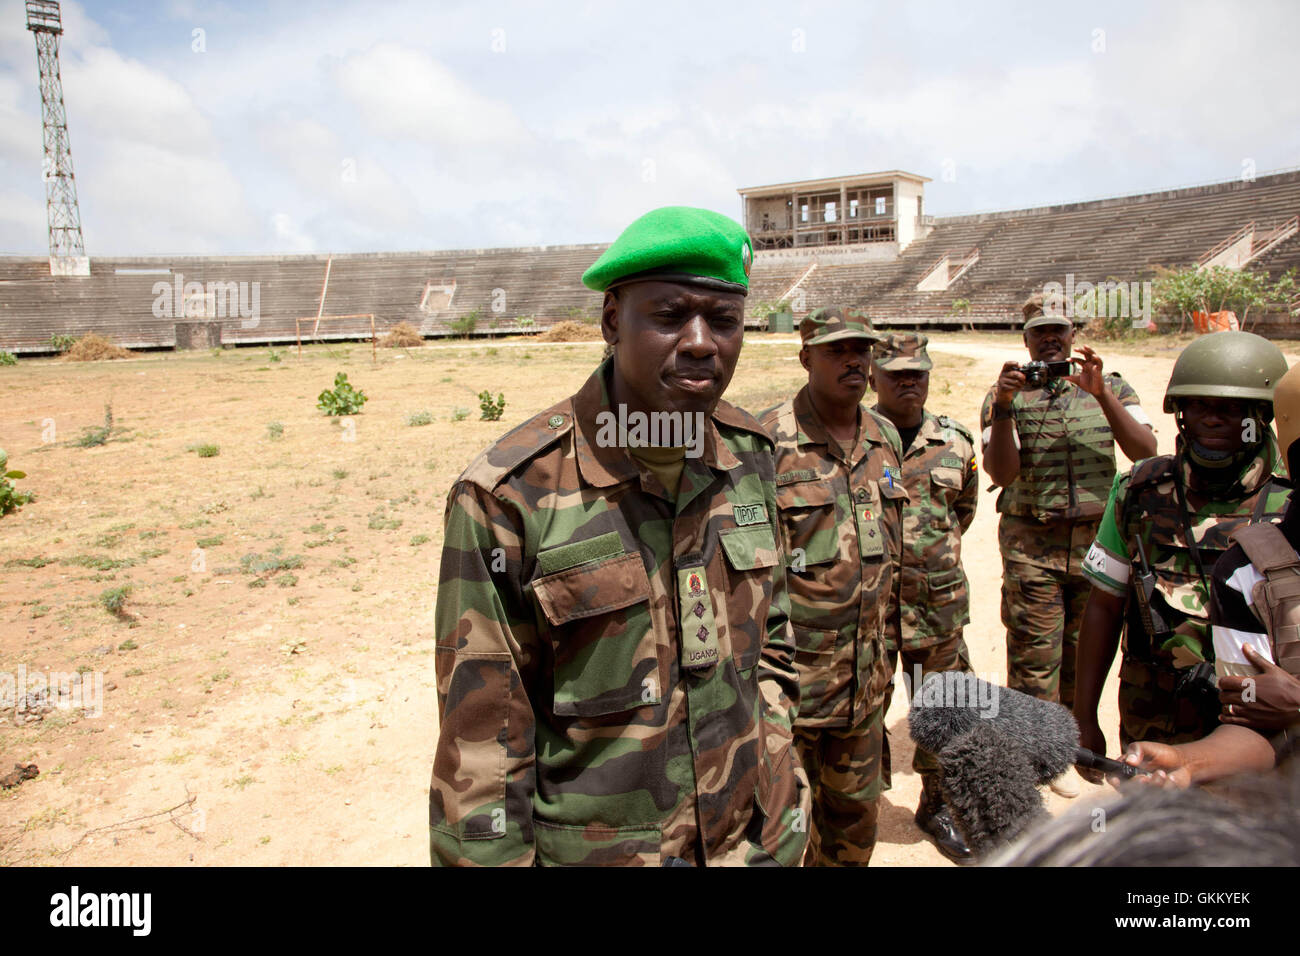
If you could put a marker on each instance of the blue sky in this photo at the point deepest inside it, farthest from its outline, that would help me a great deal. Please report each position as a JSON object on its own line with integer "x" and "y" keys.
{"x": 337, "y": 127}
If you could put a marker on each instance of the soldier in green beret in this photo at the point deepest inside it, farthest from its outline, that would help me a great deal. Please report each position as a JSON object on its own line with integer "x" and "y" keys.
{"x": 614, "y": 661}
{"x": 931, "y": 603}
{"x": 838, "y": 490}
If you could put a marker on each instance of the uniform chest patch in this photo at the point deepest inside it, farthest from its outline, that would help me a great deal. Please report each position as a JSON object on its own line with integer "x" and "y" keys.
{"x": 699, "y": 632}
{"x": 792, "y": 477}
{"x": 952, "y": 463}
{"x": 750, "y": 514}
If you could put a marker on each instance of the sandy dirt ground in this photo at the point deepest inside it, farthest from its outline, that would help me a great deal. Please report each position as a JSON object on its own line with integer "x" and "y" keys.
{"x": 268, "y": 683}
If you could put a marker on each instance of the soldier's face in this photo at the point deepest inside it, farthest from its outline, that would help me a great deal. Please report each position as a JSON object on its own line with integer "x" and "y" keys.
{"x": 1215, "y": 423}
{"x": 837, "y": 371}
{"x": 675, "y": 345}
{"x": 901, "y": 394}
{"x": 1050, "y": 343}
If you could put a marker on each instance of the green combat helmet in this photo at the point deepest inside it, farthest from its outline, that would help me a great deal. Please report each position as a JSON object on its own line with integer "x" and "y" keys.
{"x": 1238, "y": 365}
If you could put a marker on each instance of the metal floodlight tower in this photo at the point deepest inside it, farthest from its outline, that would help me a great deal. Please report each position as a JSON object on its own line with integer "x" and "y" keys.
{"x": 66, "y": 244}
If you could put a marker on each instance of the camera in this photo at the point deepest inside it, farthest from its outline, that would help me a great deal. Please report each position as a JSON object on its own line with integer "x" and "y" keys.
{"x": 1037, "y": 374}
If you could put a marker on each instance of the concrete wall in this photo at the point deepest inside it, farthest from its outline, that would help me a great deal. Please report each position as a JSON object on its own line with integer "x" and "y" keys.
{"x": 906, "y": 208}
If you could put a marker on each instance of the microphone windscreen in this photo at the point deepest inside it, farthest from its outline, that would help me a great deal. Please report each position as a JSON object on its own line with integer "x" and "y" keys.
{"x": 989, "y": 785}
{"x": 952, "y": 703}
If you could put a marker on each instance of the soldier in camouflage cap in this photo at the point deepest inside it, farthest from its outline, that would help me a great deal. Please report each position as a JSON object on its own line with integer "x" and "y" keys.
{"x": 1052, "y": 449}
{"x": 838, "y": 493}
{"x": 615, "y": 674}
{"x": 931, "y": 603}
{"x": 1182, "y": 509}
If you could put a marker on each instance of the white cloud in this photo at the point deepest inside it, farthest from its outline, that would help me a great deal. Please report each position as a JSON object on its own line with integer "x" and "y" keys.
{"x": 406, "y": 94}
{"x": 289, "y": 237}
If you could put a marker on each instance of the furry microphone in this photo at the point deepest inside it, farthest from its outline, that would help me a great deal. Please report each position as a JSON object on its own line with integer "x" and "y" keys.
{"x": 988, "y": 784}
{"x": 950, "y": 704}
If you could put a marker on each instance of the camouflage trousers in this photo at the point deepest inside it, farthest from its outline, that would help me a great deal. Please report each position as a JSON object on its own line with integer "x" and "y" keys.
{"x": 949, "y": 654}
{"x": 1149, "y": 709}
{"x": 843, "y": 767}
{"x": 1042, "y": 610}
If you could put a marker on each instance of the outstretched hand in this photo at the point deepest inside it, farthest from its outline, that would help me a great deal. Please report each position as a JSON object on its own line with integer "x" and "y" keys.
{"x": 1167, "y": 765}
{"x": 1088, "y": 377}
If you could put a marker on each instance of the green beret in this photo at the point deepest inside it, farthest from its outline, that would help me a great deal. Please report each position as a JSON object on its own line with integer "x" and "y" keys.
{"x": 677, "y": 244}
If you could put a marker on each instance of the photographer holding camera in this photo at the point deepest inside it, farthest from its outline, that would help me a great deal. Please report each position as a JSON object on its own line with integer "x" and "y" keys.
{"x": 1049, "y": 441}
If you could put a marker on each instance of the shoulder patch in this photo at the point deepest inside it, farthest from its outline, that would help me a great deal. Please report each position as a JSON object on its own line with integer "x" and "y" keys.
{"x": 519, "y": 444}
{"x": 958, "y": 427}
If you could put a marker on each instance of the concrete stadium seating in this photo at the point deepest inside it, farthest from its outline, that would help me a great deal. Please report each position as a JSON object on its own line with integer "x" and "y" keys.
{"x": 1124, "y": 238}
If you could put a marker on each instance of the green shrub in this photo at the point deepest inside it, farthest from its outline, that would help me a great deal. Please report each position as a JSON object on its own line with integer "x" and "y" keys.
{"x": 11, "y": 499}
{"x": 419, "y": 418}
{"x": 113, "y": 600}
{"x": 459, "y": 414}
{"x": 464, "y": 326}
{"x": 61, "y": 343}
{"x": 205, "y": 450}
{"x": 275, "y": 430}
{"x": 343, "y": 399}
{"x": 274, "y": 355}
{"x": 491, "y": 409}
{"x": 8, "y": 358}
{"x": 97, "y": 436}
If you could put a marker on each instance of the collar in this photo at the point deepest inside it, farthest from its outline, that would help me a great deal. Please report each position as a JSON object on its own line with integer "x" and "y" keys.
{"x": 1253, "y": 475}
{"x": 604, "y": 466}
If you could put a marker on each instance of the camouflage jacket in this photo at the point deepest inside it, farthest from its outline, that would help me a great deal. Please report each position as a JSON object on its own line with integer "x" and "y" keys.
{"x": 615, "y": 683}
{"x": 842, "y": 527}
{"x": 942, "y": 482}
{"x": 1144, "y": 504}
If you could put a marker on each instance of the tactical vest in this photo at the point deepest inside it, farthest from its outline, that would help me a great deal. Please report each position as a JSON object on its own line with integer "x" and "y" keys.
{"x": 1276, "y": 599}
{"x": 1150, "y": 509}
{"x": 1067, "y": 458}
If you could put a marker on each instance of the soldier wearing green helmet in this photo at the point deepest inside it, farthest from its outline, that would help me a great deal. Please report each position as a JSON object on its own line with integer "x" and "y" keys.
{"x": 1166, "y": 523}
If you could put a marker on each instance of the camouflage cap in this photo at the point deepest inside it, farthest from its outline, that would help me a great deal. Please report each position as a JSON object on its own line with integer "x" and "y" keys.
{"x": 902, "y": 350}
{"x": 1036, "y": 312}
{"x": 831, "y": 325}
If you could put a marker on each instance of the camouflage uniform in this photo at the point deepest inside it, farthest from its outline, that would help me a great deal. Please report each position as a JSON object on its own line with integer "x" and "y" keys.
{"x": 1144, "y": 503}
{"x": 932, "y": 602}
{"x": 615, "y": 682}
{"x": 841, "y": 523}
{"x": 1050, "y": 515}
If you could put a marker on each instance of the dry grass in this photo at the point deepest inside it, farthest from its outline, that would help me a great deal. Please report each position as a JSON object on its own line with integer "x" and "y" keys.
{"x": 402, "y": 336}
{"x": 569, "y": 331}
{"x": 93, "y": 347}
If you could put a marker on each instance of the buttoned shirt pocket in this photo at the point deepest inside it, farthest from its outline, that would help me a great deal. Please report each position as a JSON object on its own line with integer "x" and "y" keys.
{"x": 945, "y": 487}
{"x": 602, "y": 637}
{"x": 808, "y": 516}
{"x": 751, "y": 553}
{"x": 825, "y": 666}
{"x": 945, "y": 587}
